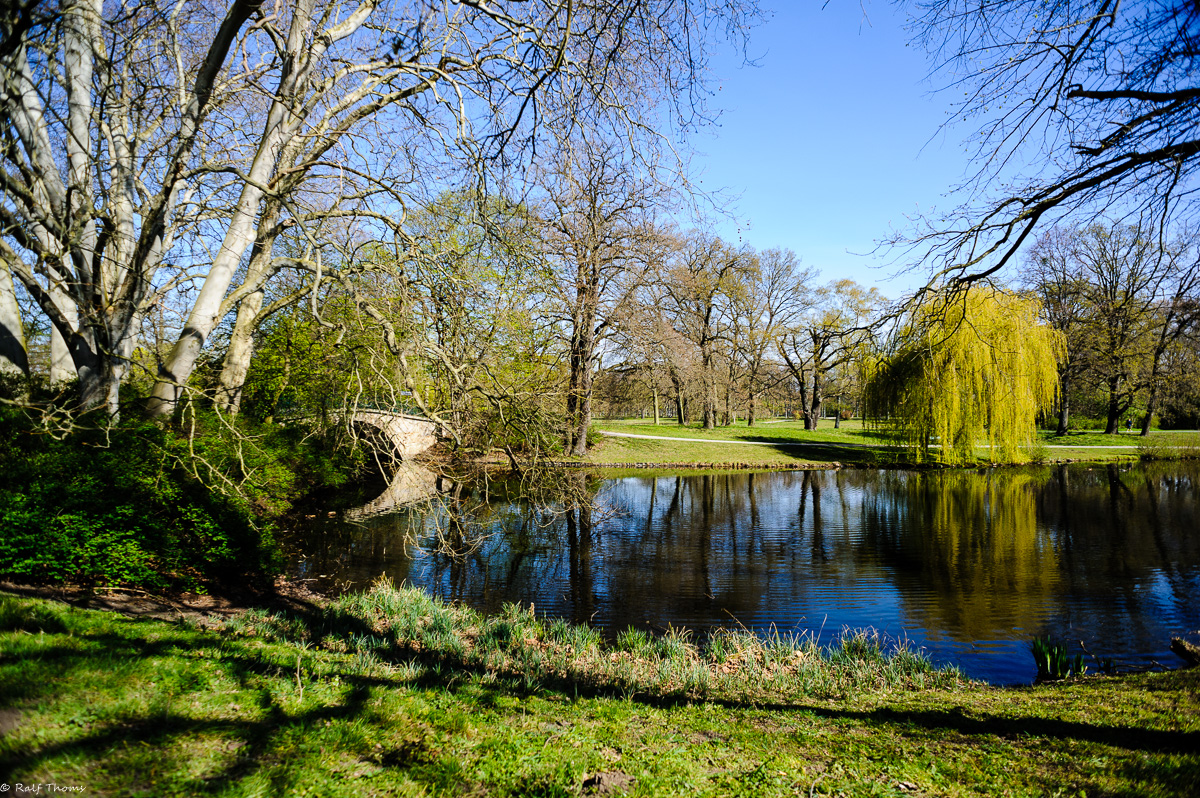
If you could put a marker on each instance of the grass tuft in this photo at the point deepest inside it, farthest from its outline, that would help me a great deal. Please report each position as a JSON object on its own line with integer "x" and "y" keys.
{"x": 272, "y": 705}
{"x": 396, "y": 623}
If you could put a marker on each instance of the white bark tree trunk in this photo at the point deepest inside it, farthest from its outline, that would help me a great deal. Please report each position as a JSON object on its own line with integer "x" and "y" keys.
{"x": 237, "y": 358}
{"x": 282, "y": 123}
{"x": 14, "y": 356}
{"x": 62, "y": 365}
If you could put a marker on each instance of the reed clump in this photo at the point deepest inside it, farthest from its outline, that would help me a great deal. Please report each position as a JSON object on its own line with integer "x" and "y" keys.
{"x": 405, "y": 626}
{"x": 1178, "y": 448}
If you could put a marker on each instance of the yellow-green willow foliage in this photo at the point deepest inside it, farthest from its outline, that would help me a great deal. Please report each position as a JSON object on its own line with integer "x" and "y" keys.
{"x": 973, "y": 369}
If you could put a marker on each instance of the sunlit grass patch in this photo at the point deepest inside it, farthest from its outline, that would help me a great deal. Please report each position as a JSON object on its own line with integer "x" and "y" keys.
{"x": 270, "y": 705}
{"x": 851, "y": 444}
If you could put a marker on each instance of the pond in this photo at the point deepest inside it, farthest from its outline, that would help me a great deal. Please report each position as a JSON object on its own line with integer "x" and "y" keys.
{"x": 968, "y": 565}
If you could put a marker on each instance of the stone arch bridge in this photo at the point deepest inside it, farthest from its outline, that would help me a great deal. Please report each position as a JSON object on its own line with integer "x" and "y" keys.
{"x": 408, "y": 435}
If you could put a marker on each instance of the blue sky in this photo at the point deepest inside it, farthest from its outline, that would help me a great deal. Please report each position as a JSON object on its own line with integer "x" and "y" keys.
{"x": 832, "y": 139}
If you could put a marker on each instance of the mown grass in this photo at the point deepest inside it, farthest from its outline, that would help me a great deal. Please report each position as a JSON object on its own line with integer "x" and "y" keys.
{"x": 787, "y": 443}
{"x": 790, "y": 445}
{"x": 332, "y": 702}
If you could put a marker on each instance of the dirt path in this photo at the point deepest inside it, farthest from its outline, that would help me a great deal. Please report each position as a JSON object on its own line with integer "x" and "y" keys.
{"x": 205, "y": 610}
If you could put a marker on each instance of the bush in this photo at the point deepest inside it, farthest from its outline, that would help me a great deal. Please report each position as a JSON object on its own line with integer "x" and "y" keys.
{"x": 145, "y": 506}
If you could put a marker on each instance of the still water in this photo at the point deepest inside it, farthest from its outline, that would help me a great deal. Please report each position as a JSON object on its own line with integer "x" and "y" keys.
{"x": 970, "y": 566}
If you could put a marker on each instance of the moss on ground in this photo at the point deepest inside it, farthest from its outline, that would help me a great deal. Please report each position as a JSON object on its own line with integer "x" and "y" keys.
{"x": 363, "y": 699}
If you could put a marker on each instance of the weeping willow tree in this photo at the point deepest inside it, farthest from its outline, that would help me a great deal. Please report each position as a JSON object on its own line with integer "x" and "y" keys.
{"x": 967, "y": 370}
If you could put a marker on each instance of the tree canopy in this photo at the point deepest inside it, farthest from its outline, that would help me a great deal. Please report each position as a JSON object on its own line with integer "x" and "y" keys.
{"x": 971, "y": 369}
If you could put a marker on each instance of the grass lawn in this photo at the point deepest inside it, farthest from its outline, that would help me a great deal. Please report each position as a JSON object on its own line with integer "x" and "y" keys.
{"x": 137, "y": 707}
{"x": 789, "y": 444}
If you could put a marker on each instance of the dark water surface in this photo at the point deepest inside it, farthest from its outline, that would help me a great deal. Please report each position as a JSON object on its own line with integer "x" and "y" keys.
{"x": 968, "y": 565}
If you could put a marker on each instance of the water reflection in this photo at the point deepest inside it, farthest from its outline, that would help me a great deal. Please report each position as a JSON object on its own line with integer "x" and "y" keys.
{"x": 970, "y": 565}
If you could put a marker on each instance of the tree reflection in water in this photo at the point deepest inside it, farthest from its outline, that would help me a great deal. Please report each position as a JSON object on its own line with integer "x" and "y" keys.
{"x": 970, "y": 564}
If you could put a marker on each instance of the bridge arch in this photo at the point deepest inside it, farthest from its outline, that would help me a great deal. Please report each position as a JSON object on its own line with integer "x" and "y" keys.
{"x": 408, "y": 435}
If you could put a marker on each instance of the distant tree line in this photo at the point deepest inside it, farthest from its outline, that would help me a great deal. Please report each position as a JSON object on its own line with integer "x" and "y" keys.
{"x": 1127, "y": 300}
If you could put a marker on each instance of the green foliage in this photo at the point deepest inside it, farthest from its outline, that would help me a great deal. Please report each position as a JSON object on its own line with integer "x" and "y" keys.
{"x": 1054, "y": 662}
{"x": 294, "y": 367}
{"x": 526, "y": 425}
{"x": 172, "y": 709}
{"x": 967, "y": 369}
{"x": 142, "y": 505}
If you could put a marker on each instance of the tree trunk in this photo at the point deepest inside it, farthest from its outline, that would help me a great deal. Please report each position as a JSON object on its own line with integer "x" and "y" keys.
{"x": 14, "y": 357}
{"x": 1064, "y": 408}
{"x": 93, "y": 370}
{"x": 177, "y": 368}
{"x": 62, "y": 365}
{"x": 237, "y": 357}
{"x": 1151, "y": 406}
{"x": 583, "y": 409}
{"x": 710, "y": 392}
{"x": 656, "y": 407}
{"x": 802, "y": 382}
{"x": 572, "y": 407}
{"x": 583, "y": 352}
{"x": 1152, "y": 399}
{"x": 281, "y": 123}
{"x": 750, "y": 408}
{"x": 1113, "y": 422}
{"x": 81, "y": 30}
{"x": 118, "y": 367}
{"x": 814, "y": 410}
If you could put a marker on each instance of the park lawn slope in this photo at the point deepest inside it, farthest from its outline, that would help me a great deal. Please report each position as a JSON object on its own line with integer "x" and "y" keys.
{"x": 633, "y": 451}
{"x": 272, "y": 705}
{"x": 787, "y": 444}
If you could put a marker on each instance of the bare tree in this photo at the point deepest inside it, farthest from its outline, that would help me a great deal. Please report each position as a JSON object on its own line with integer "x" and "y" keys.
{"x": 1121, "y": 296}
{"x": 1177, "y": 316}
{"x": 835, "y": 325}
{"x": 149, "y": 147}
{"x": 599, "y": 238}
{"x": 1087, "y": 107}
{"x": 648, "y": 338}
{"x": 775, "y": 294}
{"x": 1055, "y": 276}
{"x": 704, "y": 277}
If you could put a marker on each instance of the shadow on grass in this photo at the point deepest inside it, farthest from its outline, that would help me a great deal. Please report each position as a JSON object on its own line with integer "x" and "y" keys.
{"x": 288, "y": 738}
{"x": 181, "y": 712}
{"x": 1130, "y": 738}
{"x": 847, "y": 453}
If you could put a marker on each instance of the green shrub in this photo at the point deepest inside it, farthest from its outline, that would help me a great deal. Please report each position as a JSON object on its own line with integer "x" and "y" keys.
{"x": 147, "y": 506}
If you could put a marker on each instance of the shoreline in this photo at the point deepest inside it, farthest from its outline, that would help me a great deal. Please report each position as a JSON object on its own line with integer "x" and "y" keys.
{"x": 214, "y": 612}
